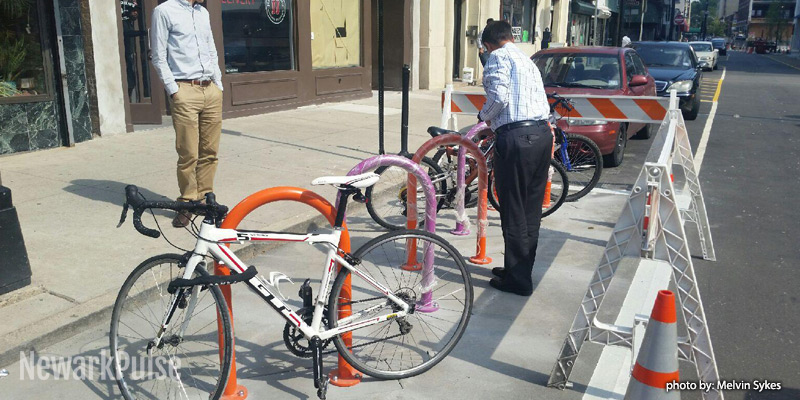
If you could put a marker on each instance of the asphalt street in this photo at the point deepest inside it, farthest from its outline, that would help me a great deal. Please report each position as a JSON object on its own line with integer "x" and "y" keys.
{"x": 749, "y": 177}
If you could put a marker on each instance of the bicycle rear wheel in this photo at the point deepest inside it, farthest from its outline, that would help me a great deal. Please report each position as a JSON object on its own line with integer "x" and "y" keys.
{"x": 559, "y": 186}
{"x": 187, "y": 364}
{"x": 403, "y": 347}
{"x": 584, "y": 167}
{"x": 386, "y": 200}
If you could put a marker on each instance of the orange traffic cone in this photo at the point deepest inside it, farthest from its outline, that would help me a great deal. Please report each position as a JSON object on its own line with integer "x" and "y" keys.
{"x": 657, "y": 363}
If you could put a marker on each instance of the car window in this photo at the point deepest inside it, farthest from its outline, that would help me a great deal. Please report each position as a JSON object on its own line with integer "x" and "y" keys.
{"x": 598, "y": 71}
{"x": 666, "y": 56}
{"x": 637, "y": 61}
{"x": 702, "y": 47}
{"x": 630, "y": 67}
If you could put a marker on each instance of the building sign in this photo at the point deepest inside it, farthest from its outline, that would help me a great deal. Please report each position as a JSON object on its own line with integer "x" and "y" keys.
{"x": 516, "y": 32}
{"x": 276, "y": 10}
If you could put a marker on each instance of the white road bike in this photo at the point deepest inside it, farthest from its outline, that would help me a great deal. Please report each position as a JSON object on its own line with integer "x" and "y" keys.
{"x": 171, "y": 313}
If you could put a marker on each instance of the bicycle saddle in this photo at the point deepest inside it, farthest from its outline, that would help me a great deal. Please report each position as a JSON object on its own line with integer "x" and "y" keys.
{"x": 436, "y": 131}
{"x": 356, "y": 181}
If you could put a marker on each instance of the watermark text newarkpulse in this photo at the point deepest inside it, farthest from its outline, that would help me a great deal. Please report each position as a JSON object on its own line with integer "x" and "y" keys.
{"x": 45, "y": 367}
{"x": 759, "y": 385}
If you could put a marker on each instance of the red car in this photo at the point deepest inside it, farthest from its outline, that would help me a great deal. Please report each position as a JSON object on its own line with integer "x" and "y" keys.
{"x": 603, "y": 71}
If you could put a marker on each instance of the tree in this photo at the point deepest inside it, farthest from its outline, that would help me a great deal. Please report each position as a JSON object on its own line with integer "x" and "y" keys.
{"x": 775, "y": 20}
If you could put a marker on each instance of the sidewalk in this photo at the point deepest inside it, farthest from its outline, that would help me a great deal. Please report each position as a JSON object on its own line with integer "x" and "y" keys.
{"x": 69, "y": 199}
{"x": 69, "y": 203}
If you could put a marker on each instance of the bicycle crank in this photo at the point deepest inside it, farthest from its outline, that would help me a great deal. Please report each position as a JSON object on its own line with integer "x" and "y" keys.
{"x": 293, "y": 338}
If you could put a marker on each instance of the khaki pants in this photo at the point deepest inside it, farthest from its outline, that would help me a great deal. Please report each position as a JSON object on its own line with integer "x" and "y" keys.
{"x": 197, "y": 118}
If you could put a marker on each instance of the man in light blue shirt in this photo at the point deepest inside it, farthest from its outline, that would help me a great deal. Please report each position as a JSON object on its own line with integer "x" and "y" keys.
{"x": 516, "y": 108}
{"x": 185, "y": 57}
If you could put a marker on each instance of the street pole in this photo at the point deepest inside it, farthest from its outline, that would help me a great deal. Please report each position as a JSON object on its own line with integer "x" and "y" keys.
{"x": 381, "y": 87}
{"x": 620, "y": 19}
{"x": 641, "y": 22}
{"x": 596, "y": 4}
{"x": 671, "y": 20}
{"x": 704, "y": 29}
{"x": 795, "y": 44}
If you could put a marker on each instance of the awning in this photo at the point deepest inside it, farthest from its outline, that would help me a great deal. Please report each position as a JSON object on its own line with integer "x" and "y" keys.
{"x": 580, "y": 7}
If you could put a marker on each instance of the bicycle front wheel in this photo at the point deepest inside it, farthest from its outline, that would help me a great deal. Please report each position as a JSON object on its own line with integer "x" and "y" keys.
{"x": 386, "y": 199}
{"x": 583, "y": 163}
{"x": 190, "y": 362}
{"x": 559, "y": 187}
{"x": 440, "y": 301}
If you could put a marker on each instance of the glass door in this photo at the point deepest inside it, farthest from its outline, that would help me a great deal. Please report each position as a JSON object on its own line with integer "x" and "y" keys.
{"x": 144, "y": 89}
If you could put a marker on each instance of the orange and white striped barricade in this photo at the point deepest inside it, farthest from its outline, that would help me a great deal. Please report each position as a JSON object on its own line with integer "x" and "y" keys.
{"x": 660, "y": 252}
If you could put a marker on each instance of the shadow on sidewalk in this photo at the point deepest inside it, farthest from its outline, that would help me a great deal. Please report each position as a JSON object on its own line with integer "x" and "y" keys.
{"x": 237, "y": 133}
{"x": 113, "y": 192}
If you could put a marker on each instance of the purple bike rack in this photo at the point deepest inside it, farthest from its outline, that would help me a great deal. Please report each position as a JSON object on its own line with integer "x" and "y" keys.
{"x": 425, "y": 303}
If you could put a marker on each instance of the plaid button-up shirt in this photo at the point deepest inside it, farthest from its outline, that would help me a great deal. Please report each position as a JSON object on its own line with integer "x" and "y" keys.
{"x": 514, "y": 88}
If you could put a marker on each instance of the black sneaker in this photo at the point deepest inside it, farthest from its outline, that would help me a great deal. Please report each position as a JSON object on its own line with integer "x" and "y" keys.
{"x": 500, "y": 285}
{"x": 499, "y": 272}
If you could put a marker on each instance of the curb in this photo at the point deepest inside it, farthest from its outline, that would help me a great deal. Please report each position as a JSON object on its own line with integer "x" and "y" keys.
{"x": 97, "y": 311}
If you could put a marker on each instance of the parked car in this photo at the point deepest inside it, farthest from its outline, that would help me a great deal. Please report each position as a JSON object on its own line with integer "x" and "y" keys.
{"x": 706, "y": 53}
{"x": 605, "y": 71}
{"x": 721, "y": 45}
{"x": 674, "y": 65}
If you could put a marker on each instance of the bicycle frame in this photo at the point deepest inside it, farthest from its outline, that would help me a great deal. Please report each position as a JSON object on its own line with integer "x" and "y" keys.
{"x": 213, "y": 240}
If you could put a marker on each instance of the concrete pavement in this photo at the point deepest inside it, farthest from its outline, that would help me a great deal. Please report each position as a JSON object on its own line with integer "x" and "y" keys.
{"x": 69, "y": 202}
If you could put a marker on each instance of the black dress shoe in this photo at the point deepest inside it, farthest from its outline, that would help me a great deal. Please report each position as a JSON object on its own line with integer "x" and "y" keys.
{"x": 502, "y": 286}
{"x": 499, "y": 272}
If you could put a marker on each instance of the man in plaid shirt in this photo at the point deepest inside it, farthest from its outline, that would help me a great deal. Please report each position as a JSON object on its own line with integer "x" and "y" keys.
{"x": 516, "y": 108}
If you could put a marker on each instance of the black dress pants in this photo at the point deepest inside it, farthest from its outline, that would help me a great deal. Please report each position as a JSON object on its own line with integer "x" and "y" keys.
{"x": 521, "y": 165}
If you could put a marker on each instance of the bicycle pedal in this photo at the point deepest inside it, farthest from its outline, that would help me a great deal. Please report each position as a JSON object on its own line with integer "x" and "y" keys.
{"x": 323, "y": 390}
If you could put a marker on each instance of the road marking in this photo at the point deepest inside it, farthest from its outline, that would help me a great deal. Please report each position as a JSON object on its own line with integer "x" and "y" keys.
{"x": 786, "y": 64}
{"x": 701, "y": 148}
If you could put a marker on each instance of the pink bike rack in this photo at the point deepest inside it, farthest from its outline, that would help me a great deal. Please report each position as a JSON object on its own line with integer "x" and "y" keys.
{"x": 467, "y": 146}
{"x": 425, "y": 304}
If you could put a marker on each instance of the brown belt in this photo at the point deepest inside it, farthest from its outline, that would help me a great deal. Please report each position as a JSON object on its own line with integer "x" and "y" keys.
{"x": 195, "y": 82}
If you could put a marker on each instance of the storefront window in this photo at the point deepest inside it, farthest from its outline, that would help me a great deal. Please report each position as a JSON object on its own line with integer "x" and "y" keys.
{"x": 336, "y": 33}
{"x": 520, "y": 14}
{"x": 258, "y": 35}
{"x": 22, "y": 66}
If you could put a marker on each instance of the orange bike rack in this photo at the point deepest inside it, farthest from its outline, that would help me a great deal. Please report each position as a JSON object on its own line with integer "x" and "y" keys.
{"x": 345, "y": 374}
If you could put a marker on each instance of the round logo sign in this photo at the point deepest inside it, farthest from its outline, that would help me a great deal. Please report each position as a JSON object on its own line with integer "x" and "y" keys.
{"x": 276, "y": 10}
{"x": 679, "y": 20}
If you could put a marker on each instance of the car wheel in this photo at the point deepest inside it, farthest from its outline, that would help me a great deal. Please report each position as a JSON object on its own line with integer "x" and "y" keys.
{"x": 644, "y": 133}
{"x": 615, "y": 158}
{"x": 715, "y": 66}
{"x": 692, "y": 114}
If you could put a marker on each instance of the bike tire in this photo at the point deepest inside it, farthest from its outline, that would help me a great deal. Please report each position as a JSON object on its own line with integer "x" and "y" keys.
{"x": 558, "y": 186}
{"x": 206, "y": 390}
{"x": 453, "y": 300}
{"x": 585, "y": 165}
{"x": 389, "y": 210}
{"x": 449, "y": 165}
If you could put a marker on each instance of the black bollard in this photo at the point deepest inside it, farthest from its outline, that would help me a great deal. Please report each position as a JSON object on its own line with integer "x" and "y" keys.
{"x": 404, "y": 116}
{"x": 15, "y": 269}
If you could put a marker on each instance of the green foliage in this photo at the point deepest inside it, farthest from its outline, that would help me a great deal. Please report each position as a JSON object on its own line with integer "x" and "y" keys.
{"x": 11, "y": 9}
{"x": 7, "y": 89}
{"x": 12, "y": 56}
{"x": 775, "y": 20}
